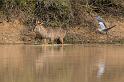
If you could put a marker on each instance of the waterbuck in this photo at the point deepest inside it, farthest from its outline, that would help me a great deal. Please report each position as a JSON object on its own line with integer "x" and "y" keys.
{"x": 49, "y": 33}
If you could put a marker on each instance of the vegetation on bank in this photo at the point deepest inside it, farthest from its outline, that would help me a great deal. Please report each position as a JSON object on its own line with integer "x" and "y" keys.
{"x": 60, "y": 13}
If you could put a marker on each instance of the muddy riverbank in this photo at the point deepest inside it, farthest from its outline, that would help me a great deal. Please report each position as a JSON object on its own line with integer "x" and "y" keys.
{"x": 17, "y": 32}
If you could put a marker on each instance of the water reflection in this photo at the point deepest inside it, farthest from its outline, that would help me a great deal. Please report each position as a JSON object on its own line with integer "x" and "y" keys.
{"x": 70, "y": 63}
{"x": 101, "y": 69}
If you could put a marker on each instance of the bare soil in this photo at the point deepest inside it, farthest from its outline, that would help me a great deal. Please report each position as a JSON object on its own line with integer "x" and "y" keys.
{"x": 13, "y": 32}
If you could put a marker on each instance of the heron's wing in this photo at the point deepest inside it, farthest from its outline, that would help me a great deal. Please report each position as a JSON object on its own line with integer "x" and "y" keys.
{"x": 107, "y": 29}
{"x": 102, "y": 26}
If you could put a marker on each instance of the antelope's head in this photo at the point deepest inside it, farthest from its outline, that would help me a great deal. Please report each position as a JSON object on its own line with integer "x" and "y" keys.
{"x": 38, "y": 26}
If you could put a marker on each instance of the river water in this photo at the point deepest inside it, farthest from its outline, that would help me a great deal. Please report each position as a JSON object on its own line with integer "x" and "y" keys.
{"x": 68, "y": 63}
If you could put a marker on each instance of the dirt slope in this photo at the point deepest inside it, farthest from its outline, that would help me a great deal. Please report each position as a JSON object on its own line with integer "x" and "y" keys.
{"x": 13, "y": 32}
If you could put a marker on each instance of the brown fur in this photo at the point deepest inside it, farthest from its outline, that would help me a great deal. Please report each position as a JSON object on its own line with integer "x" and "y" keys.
{"x": 51, "y": 34}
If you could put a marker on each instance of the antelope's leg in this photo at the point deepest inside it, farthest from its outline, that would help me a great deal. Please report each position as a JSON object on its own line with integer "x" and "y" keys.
{"x": 45, "y": 41}
{"x": 61, "y": 40}
{"x": 52, "y": 40}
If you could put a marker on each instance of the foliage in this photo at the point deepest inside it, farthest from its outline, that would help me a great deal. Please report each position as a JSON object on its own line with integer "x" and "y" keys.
{"x": 54, "y": 12}
{"x": 60, "y": 12}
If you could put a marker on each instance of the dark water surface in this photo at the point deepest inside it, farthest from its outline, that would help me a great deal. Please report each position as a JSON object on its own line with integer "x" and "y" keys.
{"x": 70, "y": 63}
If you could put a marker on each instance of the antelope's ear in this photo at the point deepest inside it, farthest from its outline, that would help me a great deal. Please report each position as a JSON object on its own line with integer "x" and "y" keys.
{"x": 41, "y": 23}
{"x": 38, "y": 22}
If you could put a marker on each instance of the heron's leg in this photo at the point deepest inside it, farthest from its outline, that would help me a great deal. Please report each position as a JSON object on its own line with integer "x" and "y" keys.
{"x": 107, "y": 34}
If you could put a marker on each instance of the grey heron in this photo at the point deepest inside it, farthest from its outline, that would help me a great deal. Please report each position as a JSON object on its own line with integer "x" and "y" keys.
{"x": 102, "y": 26}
